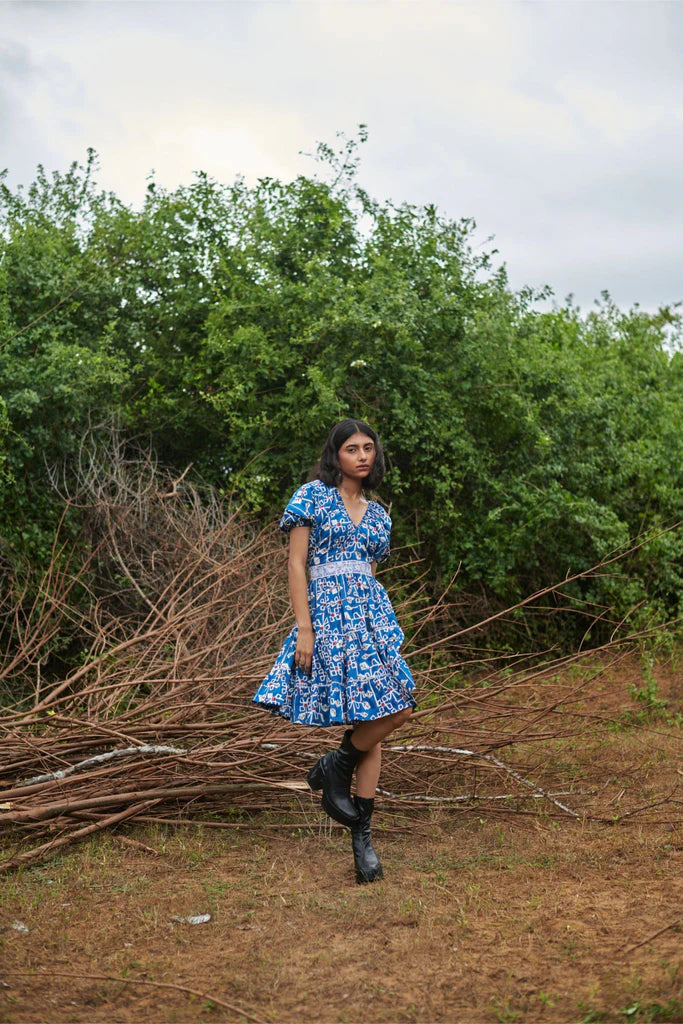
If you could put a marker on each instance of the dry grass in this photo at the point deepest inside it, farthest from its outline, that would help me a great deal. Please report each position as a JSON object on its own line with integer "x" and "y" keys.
{"x": 476, "y": 921}
{"x": 488, "y": 912}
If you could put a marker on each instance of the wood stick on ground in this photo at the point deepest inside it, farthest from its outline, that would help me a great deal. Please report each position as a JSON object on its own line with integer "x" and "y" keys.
{"x": 53, "y": 844}
{"x": 666, "y": 928}
{"x": 139, "y": 981}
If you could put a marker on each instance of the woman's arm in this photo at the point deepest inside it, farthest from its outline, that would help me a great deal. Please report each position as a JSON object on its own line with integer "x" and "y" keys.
{"x": 373, "y": 568}
{"x": 298, "y": 591}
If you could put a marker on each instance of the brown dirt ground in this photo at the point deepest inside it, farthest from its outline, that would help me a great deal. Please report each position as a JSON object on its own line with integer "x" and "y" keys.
{"x": 492, "y": 913}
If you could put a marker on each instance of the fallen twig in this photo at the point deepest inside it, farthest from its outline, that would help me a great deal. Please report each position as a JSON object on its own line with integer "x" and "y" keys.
{"x": 80, "y": 833}
{"x": 667, "y": 928}
{"x": 139, "y": 981}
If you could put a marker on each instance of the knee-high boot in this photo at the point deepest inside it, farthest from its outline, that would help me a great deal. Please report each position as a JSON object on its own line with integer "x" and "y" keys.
{"x": 333, "y": 774}
{"x": 366, "y": 861}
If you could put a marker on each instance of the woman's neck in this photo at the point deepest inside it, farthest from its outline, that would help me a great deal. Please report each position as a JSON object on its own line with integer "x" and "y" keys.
{"x": 351, "y": 490}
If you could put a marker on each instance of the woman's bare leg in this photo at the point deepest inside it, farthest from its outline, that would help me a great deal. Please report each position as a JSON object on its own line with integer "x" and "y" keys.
{"x": 367, "y": 772}
{"x": 368, "y": 737}
{"x": 366, "y": 734}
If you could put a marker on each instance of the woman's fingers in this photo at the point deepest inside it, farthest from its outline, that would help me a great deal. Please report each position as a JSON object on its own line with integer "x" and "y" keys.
{"x": 303, "y": 656}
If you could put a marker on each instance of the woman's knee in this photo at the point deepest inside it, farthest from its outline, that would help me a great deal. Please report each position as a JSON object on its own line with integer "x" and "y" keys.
{"x": 401, "y": 717}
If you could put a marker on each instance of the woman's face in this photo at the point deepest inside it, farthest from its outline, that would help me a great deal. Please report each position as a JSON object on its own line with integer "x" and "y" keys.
{"x": 356, "y": 456}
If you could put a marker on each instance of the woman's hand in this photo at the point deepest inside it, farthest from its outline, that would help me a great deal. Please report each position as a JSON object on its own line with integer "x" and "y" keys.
{"x": 303, "y": 656}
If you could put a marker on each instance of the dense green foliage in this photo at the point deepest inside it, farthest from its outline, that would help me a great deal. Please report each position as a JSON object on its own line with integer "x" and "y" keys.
{"x": 234, "y": 324}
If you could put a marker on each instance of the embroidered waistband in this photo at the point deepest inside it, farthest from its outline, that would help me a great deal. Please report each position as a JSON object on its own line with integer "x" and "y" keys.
{"x": 340, "y": 569}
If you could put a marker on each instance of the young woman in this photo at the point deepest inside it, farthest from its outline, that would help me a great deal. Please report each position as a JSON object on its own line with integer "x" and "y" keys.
{"x": 341, "y": 663}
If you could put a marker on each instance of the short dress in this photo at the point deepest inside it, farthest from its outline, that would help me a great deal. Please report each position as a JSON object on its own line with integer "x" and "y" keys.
{"x": 357, "y": 674}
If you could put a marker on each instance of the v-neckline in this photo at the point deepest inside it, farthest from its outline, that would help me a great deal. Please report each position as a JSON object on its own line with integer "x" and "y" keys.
{"x": 355, "y": 525}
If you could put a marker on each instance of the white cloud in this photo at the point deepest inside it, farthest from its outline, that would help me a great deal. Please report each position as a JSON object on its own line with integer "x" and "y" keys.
{"x": 613, "y": 117}
{"x": 556, "y": 125}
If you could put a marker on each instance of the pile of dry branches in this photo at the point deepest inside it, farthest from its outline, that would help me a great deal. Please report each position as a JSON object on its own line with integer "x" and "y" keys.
{"x": 173, "y": 606}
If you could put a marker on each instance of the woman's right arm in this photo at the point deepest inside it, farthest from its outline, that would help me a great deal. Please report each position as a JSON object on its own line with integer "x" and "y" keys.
{"x": 298, "y": 590}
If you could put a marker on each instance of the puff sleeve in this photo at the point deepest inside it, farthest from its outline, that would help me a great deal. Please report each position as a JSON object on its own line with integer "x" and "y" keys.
{"x": 382, "y": 548}
{"x": 300, "y": 510}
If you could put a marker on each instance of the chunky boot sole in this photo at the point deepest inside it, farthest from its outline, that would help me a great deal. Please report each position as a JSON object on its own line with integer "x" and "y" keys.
{"x": 363, "y": 877}
{"x": 316, "y": 779}
{"x": 335, "y": 813}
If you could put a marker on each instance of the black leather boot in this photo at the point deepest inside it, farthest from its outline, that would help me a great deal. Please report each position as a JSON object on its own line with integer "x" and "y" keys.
{"x": 333, "y": 774}
{"x": 368, "y": 867}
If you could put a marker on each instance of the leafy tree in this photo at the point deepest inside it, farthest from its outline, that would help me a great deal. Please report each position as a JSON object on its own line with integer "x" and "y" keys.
{"x": 234, "y": 324}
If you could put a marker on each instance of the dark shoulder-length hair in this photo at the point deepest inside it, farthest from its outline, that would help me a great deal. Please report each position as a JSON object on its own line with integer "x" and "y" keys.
{"x": 330, "y": 470}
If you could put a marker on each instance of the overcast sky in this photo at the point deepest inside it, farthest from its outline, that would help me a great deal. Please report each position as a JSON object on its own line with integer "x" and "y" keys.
{"x": 557, "y": 126}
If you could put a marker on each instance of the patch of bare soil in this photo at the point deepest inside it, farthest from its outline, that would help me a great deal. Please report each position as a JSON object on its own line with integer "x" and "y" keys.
{"x": 504, "y": 911}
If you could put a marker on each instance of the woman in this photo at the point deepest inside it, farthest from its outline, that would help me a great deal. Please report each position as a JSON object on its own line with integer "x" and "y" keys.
{"x": 341, "y": 663}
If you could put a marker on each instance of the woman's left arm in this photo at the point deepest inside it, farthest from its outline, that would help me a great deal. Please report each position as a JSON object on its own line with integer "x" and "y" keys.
{"x": 373, "y": 568}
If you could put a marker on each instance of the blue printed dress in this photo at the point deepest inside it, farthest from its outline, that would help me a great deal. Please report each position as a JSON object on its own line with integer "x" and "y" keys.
{"x": 358, "y": 673}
